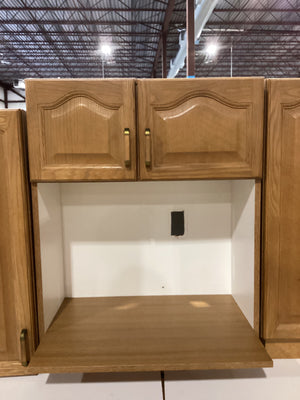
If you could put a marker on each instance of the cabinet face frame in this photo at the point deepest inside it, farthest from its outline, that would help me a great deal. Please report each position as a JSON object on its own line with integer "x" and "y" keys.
{"x": 281, "y": 257}
{"x": 208, "y": 128}
{"x": 69, "y": 119}
{"x": 17, "y": 302}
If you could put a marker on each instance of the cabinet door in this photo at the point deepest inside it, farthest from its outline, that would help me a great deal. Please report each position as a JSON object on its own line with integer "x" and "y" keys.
{"x": 81, "y": 129}
{"x": 16, "y": 289}
{"x": 200, "y": 128}
{"x": 282, "y": 218}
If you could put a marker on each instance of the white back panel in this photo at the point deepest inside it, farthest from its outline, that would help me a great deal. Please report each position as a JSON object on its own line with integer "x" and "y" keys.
{"x": 117, "y": 238}
{"x": 51, "y": 248}
{"x": 243, "y": 217}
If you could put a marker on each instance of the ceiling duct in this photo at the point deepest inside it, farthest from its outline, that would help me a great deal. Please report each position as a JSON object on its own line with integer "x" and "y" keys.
{"x": 203, "y": 11}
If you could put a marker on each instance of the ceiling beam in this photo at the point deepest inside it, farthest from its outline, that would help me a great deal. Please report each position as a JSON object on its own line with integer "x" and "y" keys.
{"x": 190, "y": 38}
{"x": 164, "y": 31}
{"x": 19, "y": 57}
{"x": 79, "y": 44}
{"x": 205, "y": 32}
{"x": 247, "y": 32}
{"x": 245, "y": 9}
{"x": 79, "y": 33}
{"x": 86, "y": 9}
{"x": 247, "y": 23}
{"x": 77, "y": 22}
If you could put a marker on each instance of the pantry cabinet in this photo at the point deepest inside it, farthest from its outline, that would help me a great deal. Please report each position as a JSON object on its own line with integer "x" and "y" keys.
{"x": 17, "y": 311}
{"x": 281, "y": 323}
{"x": 81, "y": 129}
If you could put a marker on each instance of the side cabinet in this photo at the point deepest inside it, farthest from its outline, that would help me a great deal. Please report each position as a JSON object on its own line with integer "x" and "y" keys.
{"x": 200, "y": 128}
{"x": 81, "y": 129}
{"x": 281, "y": 329}
{"x": 17, "y": 328}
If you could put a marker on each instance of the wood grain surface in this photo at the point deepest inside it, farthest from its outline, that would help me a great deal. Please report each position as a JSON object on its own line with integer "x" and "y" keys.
{"x": 17, "y": 309}
{"x": 75, "y": 129}
{"x": 283, "y": 349}
{"x": 201, "y": 128}
{"x": 282, "y": 213}
{"x": 149, "y": 333}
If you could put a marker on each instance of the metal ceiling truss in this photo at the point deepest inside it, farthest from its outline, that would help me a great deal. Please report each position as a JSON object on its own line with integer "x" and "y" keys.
{"x": 61, "y": 38}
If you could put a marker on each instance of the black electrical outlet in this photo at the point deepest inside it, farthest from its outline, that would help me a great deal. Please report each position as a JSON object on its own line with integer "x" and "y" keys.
{"x": 177, "y": 223}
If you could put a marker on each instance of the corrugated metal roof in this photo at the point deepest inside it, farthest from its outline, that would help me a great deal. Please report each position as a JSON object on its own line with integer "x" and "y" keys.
{"x": 61, "y": 38}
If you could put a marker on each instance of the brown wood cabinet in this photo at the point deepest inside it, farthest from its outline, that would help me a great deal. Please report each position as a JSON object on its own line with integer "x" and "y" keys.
{"x": 17, "y": 310}
{"x": 81, "y": 129}
{"x": 281, "y": 288}
{"x": 188, "y": 129}
{"x": 84, "y": 130}
{"x": 122, "y": 130}
{"x": 200, "y": 128}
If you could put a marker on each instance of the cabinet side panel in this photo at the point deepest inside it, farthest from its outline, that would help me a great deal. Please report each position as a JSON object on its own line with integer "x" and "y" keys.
{"x": 16, "y": 297}
{"x": 8, "y": 328}
{"x": 282, "y": 212}
{"x": 243, "y": 217}
{"x": 52, "y": 260}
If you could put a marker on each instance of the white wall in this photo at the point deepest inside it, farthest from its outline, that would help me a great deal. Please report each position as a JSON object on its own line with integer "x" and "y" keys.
{"x": 278, "y": 383}
{"x": 12, "y": 96}
{"x": 114, "y": 239}
{"x": 49, "y": 201}
{"x": 1, "y": 97}
{"x": 242, "y": 260}
{"x": 117, "y": 238}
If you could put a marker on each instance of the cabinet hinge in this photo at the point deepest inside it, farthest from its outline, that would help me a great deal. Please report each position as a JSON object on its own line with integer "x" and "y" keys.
{"x": 24, "y": 347}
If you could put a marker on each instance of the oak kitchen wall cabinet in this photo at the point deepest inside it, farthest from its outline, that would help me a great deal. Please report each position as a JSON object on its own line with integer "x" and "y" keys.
{"x": 17, "y": 310}
{"x": 115, "y": 291}
{"x": 188, "y": 129}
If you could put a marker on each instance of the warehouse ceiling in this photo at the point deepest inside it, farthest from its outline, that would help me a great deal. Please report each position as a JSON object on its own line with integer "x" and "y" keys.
{"x": 63, "y": 38}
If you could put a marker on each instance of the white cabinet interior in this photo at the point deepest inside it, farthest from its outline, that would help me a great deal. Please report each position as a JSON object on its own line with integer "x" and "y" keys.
{"x": 102, "y": 240}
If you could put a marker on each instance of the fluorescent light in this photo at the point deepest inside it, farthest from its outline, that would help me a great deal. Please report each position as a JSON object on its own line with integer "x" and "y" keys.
{"x": 211, "y": 49}
{"x": 106, "y": 49}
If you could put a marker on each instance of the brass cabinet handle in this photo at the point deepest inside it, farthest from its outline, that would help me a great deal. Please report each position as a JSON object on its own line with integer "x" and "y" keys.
{"x": 24, "y": 347}
{"x": 127, "y": 148}
{"x": 147, "y": 148}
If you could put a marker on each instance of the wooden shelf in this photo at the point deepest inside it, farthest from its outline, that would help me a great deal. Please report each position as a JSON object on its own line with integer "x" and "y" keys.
{"x": 149, "y": 333}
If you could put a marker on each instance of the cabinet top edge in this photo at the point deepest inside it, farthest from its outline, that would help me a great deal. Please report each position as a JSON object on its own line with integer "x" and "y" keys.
{"x": 78, "y": 79}
{"x": 145, "y": 79}
{"x": 283, "y": 79}
{"x": 12, "y": 110}
{"x": 221, "y": 78}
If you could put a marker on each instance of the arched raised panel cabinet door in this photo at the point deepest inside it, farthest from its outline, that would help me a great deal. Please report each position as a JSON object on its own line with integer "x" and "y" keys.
{"x": 81, "y": 129}
{"x": 282, "y": 220}
{"x": 201, "y": 128}
{"x": 16, "y": 288}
